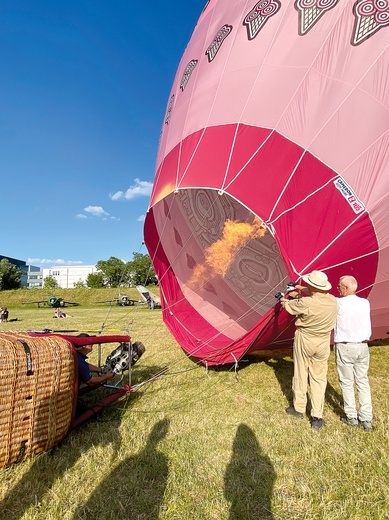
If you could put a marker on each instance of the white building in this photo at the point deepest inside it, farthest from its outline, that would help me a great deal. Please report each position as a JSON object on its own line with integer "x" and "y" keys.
{"x": 34, "y": 277}
{"x": 67, "y": 275}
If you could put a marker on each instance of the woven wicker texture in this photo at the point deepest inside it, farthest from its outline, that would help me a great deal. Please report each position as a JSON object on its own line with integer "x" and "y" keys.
{"x": 36, "y": 394}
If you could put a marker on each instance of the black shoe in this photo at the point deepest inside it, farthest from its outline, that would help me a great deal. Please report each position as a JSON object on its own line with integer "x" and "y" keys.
{"x": 367, "y": 425}
{"x": 291, "y": 411}
{"x": 350, "y": 421}
{"x": 317, "y": 424}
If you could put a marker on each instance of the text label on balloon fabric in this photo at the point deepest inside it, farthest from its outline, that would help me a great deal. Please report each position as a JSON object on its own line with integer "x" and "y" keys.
{"x": 349, "y": 195}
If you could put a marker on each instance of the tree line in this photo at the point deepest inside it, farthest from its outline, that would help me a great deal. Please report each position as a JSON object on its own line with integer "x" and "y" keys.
{"x": 110, "y": 273}
{"x": 117, "y": 273}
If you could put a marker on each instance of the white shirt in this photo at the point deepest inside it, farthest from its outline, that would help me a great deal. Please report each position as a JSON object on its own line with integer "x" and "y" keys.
{"x": 353, "y": 323}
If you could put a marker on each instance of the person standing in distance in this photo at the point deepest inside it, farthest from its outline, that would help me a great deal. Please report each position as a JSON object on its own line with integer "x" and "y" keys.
{"x": 316, "y": 317}
{"x": 352, "y": 332}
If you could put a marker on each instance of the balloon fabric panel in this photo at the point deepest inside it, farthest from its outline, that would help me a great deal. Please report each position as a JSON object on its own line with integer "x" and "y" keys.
{"x": 273, "y": 161}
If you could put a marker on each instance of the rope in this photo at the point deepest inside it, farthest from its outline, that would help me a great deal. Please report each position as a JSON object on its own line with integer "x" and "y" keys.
{"x": 235, "y": 366}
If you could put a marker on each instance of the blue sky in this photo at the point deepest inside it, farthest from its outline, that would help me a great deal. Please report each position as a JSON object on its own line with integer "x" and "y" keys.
{"x": 83, "y": 91}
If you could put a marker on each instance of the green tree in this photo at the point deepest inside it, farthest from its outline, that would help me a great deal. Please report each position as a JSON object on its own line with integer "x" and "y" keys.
{"x": 95, "y": 280}
{"x": 114, "y": 271}
{"x": 141, "y": 270}
{"x": 79, "y": 284}
{"x": 50, "y": 283}
{"x": 10, "y": 275}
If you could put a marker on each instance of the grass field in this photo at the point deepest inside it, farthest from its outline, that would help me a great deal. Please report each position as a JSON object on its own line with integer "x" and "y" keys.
{"x": 196, "y": 444}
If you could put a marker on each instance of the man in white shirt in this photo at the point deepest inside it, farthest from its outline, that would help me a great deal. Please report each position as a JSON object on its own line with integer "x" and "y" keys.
{"x": 352, "y": 331}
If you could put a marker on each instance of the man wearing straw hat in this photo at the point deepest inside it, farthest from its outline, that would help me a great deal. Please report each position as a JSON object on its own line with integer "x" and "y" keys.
{"x": 316, "y": 317}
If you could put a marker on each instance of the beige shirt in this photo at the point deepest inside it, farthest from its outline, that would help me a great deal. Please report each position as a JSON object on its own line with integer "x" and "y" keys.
{"x": 316, "y": 314}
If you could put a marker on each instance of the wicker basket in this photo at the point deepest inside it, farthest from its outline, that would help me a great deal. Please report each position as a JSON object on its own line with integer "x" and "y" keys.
{"x": 37, "y": 376}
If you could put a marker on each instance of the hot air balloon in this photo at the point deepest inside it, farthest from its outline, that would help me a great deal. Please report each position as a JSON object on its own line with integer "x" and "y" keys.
{"x": 272, "y": 162}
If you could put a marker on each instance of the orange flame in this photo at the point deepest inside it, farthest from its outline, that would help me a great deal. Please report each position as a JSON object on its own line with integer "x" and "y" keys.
{"x": 220, "y": 254}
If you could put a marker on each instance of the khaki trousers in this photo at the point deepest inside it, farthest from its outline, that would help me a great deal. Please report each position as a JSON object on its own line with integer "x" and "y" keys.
{"x": 310, "y": 356}
{"x": 352, "y": 362}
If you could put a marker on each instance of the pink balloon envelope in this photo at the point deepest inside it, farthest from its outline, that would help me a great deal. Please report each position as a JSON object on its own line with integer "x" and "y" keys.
{"x": 272, "y": 162}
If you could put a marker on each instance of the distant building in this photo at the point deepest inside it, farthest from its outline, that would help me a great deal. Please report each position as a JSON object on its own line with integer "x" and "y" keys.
{"x": 67, "y": 275}
{"x": 22, "y": 265}
{"x": 34, "y": 277}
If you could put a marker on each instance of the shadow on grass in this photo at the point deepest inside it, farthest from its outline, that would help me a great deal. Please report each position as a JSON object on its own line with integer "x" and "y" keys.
{"x": 334, "y": 400}
{"x": 135, "y": 488}
{"x": 249, "y": 478}
{"x": 281, "y": 365}
{"x": 283, "y": 370}
{"x": 31, "y": 489}
{"x": 48, "y": 467}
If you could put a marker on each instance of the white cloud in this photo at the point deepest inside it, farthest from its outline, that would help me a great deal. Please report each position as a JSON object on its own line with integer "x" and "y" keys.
{"x": 47, "y": 261}
{"x": 117, "y": 196}
{"x": 96, "y": 211}
{"x": 139, "y": 189}
{"x": 141, "y": 218}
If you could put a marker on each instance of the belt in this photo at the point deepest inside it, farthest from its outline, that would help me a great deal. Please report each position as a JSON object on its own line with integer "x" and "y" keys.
{"x": 350, "y": 342}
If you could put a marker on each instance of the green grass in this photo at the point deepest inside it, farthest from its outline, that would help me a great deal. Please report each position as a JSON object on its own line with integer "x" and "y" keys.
{"x": 20, "y": 298}
{"x": 197, "y": 444}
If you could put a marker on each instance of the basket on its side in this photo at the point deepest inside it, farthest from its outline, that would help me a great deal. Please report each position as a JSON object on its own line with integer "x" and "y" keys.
{"x": 37, "y": 377}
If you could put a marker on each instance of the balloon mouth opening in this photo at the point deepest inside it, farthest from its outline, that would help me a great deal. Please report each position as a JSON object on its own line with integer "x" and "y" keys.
{"x": 225, "y": 260}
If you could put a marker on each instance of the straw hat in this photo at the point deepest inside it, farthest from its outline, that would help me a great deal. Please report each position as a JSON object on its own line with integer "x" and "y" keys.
{"x": 317, "y": 279}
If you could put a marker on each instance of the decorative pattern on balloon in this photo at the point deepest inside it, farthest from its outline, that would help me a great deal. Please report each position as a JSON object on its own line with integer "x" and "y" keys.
{"x": 259, "y": 15}
{"x": 222, "y": 34}
{"x": 310, "y": 11}
{"x": 370, "y": 16}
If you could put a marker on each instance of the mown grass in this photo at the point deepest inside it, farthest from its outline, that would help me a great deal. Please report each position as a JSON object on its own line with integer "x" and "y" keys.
{"x": 85, "y": 297}
{"x": 198, "y": 444}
